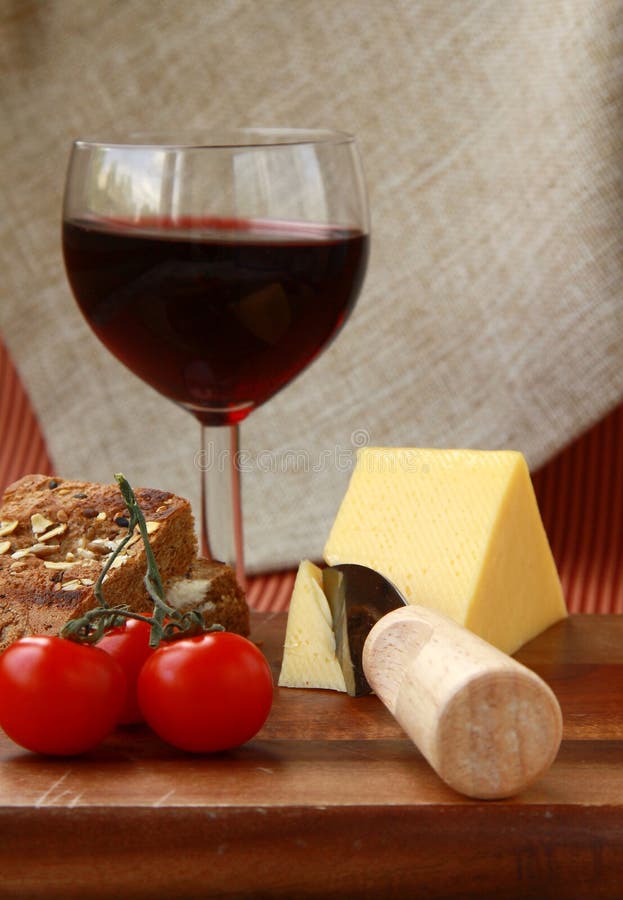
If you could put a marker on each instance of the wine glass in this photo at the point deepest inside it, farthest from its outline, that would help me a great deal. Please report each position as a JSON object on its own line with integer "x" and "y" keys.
{"x": 216, "y": 267}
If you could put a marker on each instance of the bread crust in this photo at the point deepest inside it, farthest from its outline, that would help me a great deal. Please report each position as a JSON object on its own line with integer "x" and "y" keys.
{"x": 211, "y": 588}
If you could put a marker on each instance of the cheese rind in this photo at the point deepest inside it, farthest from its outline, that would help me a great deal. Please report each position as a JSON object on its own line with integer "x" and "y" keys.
{"x": 458, "y": 531}
{"x": 309, "y": 658}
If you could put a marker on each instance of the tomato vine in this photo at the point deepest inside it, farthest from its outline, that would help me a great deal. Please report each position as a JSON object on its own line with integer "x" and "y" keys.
{"x": 167, "y": 623}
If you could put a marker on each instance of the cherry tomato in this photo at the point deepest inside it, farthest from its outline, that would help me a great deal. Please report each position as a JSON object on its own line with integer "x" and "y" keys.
{"x": 57, "y": 696}
{"x": 206, "y": 693}
{"x": 129, "y": 645}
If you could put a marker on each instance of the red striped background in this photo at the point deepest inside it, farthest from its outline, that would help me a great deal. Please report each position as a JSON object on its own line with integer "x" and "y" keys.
{"x": 580, "y": 494}
{"x": 22, "y": 448}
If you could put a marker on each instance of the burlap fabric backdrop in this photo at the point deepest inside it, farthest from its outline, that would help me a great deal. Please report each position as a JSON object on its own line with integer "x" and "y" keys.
{"x": 492, "y": 138}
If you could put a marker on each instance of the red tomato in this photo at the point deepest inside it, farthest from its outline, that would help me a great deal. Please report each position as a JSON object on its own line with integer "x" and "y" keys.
{"x": 206, "y": 693}
{"x": 57, "y": 696}
{"x": 129, "y": 645}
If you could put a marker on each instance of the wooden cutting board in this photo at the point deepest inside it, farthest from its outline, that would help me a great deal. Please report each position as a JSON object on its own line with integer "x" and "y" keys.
{"x": 329, "y": 800}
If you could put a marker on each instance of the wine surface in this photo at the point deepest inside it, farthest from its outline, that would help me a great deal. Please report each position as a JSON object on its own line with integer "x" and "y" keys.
{"x": 218, "y": 315}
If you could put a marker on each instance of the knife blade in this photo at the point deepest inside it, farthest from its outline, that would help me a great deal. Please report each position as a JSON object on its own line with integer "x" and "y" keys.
{"x": 358, "y": 597}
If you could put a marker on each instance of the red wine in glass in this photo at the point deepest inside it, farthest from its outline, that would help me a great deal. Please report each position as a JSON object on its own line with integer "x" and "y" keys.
{"x": 216, "y": 316}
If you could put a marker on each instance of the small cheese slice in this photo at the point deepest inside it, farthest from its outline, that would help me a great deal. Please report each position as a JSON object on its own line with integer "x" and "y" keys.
{"x": 458, "y": 531}
{"x": 309, "y": 658}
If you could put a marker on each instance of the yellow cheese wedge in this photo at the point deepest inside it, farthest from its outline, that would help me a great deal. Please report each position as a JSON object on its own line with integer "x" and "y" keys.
{"x": 309, "y": 658}
{"x": 458, "y": 531}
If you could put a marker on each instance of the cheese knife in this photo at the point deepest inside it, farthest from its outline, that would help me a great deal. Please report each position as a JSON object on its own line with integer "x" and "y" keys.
{"x": 487, "y": 725}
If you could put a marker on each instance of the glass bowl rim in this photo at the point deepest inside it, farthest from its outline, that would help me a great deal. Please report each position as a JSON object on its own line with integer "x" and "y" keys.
{"x": 217, "y": 139}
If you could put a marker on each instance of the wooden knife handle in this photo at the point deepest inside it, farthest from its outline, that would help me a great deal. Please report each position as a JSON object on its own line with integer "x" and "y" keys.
{"x": 486, "y": 724}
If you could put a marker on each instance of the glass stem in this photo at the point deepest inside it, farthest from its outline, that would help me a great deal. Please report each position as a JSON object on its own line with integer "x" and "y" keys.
{"x": 221, "y": 503}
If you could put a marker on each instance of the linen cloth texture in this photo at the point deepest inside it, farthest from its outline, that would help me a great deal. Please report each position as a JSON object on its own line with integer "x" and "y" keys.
{"x": 491, "y": 133}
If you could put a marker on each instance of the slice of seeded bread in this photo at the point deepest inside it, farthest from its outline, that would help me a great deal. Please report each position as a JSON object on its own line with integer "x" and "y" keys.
{"x": 55, "y": 535}
{"x": 211, "y": 588}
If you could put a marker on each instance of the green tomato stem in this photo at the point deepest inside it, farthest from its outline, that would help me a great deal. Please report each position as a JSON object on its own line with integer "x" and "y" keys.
{"x": 95, "y": 622}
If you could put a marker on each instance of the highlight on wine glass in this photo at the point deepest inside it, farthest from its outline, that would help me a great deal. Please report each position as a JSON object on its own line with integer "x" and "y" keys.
{"x": 216, "y": 267}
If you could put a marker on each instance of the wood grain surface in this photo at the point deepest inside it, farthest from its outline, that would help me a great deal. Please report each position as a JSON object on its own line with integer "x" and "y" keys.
{"x": 329, "y": 800}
